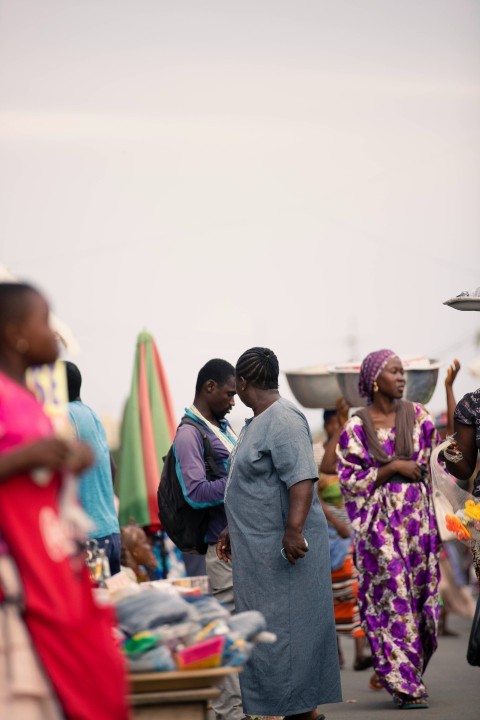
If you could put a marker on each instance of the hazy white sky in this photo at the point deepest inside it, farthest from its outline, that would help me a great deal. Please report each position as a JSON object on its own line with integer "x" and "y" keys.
{"x": 228, "y": 174}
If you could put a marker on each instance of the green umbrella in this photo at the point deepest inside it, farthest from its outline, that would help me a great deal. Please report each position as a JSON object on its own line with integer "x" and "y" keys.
{"x": 148, "y": 430}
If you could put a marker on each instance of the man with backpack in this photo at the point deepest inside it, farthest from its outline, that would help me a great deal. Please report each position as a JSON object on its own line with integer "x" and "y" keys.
{"x": 199, "y": 454}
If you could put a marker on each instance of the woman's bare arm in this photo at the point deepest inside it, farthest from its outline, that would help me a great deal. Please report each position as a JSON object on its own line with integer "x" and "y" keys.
{"x": 465, "y": 444}
{"x": 300, "y": 498}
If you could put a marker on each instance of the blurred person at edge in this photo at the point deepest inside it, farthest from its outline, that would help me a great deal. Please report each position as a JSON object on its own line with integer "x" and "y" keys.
{"x": 455, "y": 558}
{"x": 344, "y": 574}
{"x": 138, "y": 558}
{"x": 384, "y": 453}
{"x": 96, "y": 483}
{"x": 462, "y": 455}
{"x": 74, "y": 670}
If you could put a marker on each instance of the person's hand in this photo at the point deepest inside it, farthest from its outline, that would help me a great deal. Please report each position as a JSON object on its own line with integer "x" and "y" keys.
{"x": 79, "y": 458}
{"x": 294, "y": 545}
{"x": 50, "y": 453}
{"x": 224, "y": 549}
{"x": 453, "y": 452}
{"x": 452, "y": 373}
{"x": 409, "y": 469}
{"x": 342, "y": 408}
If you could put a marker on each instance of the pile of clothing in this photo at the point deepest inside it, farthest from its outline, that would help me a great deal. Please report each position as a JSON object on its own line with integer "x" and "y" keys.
{"x": 164, "y": 628}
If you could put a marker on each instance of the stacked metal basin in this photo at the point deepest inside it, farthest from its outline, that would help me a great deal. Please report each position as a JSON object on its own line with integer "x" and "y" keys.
{"x": 319, "y": 386}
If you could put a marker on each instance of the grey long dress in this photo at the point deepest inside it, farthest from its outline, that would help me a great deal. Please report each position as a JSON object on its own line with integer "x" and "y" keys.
{"x": 300, "y": 670}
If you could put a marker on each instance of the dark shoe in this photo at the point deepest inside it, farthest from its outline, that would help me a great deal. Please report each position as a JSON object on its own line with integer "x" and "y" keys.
{"x": 363, "y": 663}
{"x": 448, "y": 633}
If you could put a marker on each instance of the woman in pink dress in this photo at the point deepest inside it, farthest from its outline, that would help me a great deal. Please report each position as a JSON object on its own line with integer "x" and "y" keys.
{"x": 71, "y": 634}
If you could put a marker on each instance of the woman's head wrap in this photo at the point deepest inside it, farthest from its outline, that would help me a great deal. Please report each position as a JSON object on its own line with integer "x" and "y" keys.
{"x": 371, "y": 368}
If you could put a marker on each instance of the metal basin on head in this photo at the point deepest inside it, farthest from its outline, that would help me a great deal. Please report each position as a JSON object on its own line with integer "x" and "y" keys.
{"x": 420, "y": 381}
{"x": 314, "y": 387}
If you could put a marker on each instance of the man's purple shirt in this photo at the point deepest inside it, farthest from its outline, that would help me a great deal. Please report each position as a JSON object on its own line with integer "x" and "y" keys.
{"x": 188, "y": 448}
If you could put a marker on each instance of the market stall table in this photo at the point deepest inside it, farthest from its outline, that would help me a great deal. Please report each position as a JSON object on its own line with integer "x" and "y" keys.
{"x": 181, "y": 695}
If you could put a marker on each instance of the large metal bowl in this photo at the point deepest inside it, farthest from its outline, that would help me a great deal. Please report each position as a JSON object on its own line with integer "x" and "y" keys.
{"x": 347, "y": 379}
{"x": 314, "y": 387}
{"x": 419, "y": 387}
{"x": 421, "y": 382}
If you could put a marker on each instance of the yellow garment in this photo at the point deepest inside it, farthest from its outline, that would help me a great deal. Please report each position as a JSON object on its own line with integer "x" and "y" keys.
{"x": 329, "y": 489}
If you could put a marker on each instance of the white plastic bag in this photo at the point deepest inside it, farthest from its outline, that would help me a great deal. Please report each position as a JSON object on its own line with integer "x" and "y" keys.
{"x": 451, "y": 502}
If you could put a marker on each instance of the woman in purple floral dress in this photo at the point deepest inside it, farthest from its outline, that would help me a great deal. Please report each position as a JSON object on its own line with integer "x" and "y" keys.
{"x": 383, "y": 456}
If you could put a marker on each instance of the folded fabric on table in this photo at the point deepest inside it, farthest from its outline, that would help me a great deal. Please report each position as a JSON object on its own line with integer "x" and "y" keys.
{"x": 206, "y": 608}
{"x": 148, "y": 610}
{"x": 157, "y": 660}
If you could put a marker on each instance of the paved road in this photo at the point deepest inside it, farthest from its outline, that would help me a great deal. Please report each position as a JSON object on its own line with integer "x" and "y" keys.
{"x": 453, "y": 686}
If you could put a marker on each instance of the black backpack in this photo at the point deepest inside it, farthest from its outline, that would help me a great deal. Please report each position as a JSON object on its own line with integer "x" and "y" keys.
{"x": 185, "y": 525}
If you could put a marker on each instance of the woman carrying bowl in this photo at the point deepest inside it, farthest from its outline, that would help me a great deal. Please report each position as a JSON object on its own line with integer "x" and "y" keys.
{"x": 383, "y": 456}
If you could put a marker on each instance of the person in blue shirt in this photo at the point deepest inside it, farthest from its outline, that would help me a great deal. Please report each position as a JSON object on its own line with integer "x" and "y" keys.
{"x": 96, "y": 484}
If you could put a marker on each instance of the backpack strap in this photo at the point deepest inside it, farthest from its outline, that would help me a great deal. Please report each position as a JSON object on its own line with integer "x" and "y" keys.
{"x": 211, "y": 468}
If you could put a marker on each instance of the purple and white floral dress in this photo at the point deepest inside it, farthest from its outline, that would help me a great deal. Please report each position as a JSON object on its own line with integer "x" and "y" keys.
{"x": 397, "y": 549}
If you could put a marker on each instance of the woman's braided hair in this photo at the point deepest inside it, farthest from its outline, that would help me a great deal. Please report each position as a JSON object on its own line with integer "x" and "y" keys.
{"x": 260, "y": 367}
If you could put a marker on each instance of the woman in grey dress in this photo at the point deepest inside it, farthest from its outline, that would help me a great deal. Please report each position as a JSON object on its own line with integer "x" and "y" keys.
{"x": 278, "y": 538}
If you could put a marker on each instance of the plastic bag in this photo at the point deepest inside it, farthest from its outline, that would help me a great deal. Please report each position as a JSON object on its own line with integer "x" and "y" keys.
{"x": 458, "y": 511}
{"x": 443, "y": 507}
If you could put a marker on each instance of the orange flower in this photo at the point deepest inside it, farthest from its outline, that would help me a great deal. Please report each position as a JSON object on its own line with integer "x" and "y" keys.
{"x": 454, "y": 524}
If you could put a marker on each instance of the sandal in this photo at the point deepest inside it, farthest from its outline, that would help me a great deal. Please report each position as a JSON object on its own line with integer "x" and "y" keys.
{"x": 410, "y": 703}
{"x": 363, "y": 663}
{"x": 375, "y": 683}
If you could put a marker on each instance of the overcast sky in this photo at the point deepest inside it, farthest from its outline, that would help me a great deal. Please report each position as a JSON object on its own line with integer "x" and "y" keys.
{"x": 227, "y": 174}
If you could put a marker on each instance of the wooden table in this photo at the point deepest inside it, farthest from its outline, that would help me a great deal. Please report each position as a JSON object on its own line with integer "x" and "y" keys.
{"x": 181, "y": 695}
